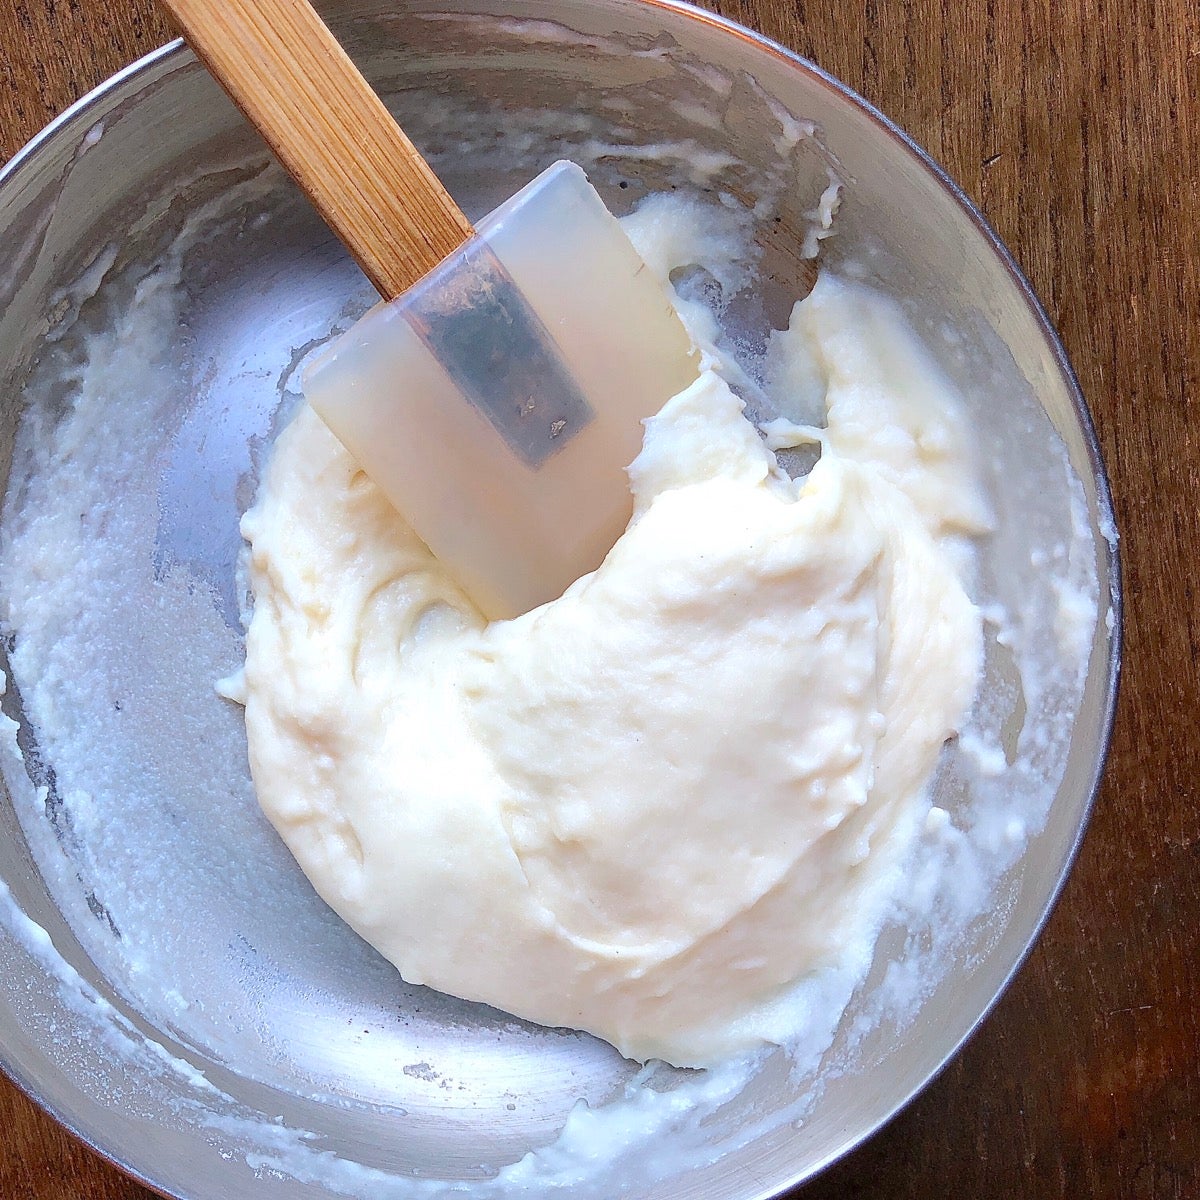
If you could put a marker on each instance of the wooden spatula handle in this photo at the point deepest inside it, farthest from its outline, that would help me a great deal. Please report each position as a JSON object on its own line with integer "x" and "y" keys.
{"x": 298, "y": 87}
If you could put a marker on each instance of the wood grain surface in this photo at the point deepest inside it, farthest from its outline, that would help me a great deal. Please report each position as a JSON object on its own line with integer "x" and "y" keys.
{"x": 1075, "y": 125}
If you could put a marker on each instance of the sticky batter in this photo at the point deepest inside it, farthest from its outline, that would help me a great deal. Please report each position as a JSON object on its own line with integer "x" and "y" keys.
{"x": 650, "y": 808}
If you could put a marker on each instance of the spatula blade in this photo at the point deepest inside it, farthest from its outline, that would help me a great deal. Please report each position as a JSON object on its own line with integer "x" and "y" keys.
{"x": 498, "y": 402}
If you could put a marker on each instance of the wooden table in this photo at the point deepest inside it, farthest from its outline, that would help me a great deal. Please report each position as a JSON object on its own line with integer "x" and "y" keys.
{"x": 1076, "y": 128}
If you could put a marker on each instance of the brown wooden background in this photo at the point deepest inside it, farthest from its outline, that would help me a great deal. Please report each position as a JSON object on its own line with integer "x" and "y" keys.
{"x": 1075, "y": 125}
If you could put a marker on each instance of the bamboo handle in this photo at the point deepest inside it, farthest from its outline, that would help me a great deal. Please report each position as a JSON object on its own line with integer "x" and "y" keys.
{"x": 290, "y": 77}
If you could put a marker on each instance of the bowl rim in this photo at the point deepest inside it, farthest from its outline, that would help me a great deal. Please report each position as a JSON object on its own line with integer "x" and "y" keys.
{"x": 176, "y": 49}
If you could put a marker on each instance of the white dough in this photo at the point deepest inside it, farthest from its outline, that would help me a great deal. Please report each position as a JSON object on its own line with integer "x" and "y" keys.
{"x": 649, "y": 808}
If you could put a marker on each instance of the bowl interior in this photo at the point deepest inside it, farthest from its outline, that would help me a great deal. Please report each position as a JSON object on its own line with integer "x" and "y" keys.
{"x": 169, "y": 984}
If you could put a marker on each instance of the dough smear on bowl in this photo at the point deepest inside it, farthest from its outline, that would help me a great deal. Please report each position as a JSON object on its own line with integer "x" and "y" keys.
{"x": 650, "y": 808}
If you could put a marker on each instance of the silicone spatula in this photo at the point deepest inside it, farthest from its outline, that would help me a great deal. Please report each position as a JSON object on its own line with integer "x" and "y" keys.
{"x": 497, "y": 396}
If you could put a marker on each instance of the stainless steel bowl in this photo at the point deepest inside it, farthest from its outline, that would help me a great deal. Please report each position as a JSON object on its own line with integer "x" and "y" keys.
{"x": 169, "y": 986}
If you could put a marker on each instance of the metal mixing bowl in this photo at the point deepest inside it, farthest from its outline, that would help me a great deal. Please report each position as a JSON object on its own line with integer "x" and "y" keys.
{"x": 170, "y": 988}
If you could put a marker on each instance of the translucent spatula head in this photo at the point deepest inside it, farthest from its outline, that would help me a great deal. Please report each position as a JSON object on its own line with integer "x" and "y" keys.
{"x": 498, "y": 402}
